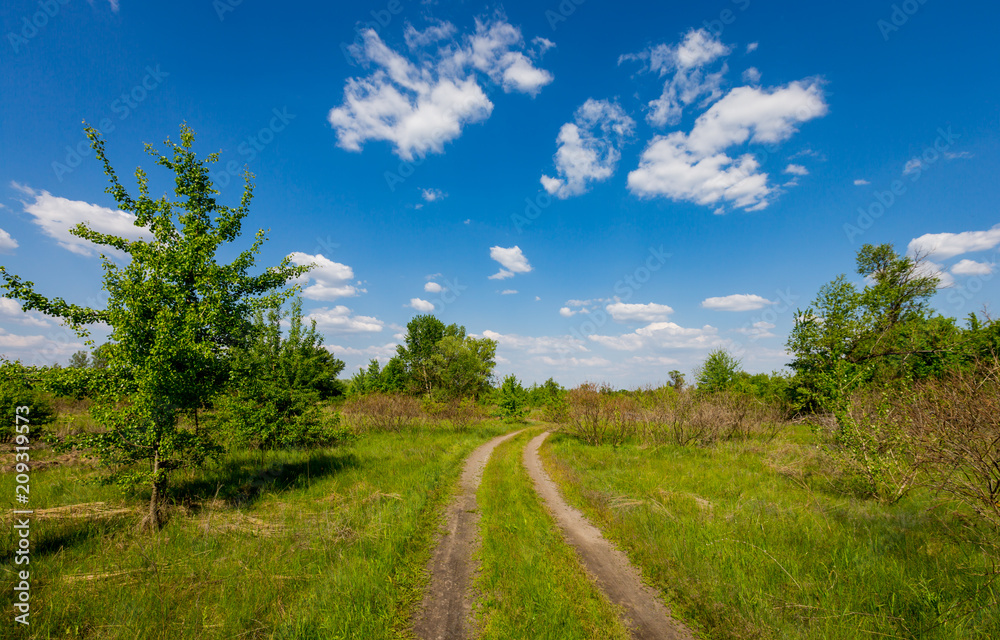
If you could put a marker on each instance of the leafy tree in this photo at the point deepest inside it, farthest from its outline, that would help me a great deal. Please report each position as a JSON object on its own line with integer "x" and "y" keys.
{"x": 719, "y": 372}
{"x": 423, "y": 333}
{"x": 99, "y": 358}
{"x": 174, "y": 311}
{"x": 463, "y": 366}
{"x": 512, "y": 400}
{"x": 79, "y": 360}
{"x": 18, "y": 389}
{"x": 676, "y": 380}
{"x": 850, "y": 336}
{"x": 377, "y": 379}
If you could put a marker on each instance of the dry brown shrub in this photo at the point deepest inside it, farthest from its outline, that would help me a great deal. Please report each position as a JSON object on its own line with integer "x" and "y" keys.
{"x": 381, "y": 412}
{"x": 702, "y": 420}
{"x": 460, "y": 413}
{"x": 598, "y": 416}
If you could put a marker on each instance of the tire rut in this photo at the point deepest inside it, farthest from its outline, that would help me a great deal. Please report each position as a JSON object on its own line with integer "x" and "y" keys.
{"x": 645, "y": 614}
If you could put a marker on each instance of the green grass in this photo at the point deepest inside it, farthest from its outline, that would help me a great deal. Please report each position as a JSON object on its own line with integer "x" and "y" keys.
{"x": 323, "y": 544}
{"x": 531, "y": 584}
{"x": 755, "y": 540}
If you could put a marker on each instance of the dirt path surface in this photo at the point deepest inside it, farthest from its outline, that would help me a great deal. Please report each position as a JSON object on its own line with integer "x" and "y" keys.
{"x": 446, "y": 607}
{"x": 645, "y": 614}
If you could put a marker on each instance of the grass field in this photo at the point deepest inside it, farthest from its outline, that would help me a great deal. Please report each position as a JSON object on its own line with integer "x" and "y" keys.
{"x": 531, "y": 584}
{"x": 322, "y": 544}
{"x": 760, "y": 540}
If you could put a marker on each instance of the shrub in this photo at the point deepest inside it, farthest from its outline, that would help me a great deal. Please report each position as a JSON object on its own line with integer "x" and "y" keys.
{"x": 272, "y": 418}
{"x": 599, "y": 416}
{"x": 512, "y": 400}
{"x": 17, "y": 389}
{"x": 381, "y": 412}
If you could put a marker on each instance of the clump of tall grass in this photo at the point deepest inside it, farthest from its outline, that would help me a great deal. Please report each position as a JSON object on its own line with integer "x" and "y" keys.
{"x": 381, "y": 412}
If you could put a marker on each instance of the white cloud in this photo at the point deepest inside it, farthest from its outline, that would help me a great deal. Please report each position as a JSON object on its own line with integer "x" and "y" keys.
{"x": 952, "y": 155}
{"x": 662, "y": 335}
{"x": 752, "y": 47}
{"x": 860, "y": 182}
{"x": 433, "y": 287}
{"x": 971, "y": 268}
{"x": 38, "y": 349}
{"x": 11, "y": 311}
{"x": 331, "y": 280}
{"x": 651, "y": 312}
{"x": 575, "y": 362}
{"x": 757, "y": 330}
{"x": 913, "y": 165}
{"x": 752, "y": 75}
{"x": 418, "y": 106}
{"x": 383, "y": 352}
{"x": 566, "y": 312}
{"x": 7, "y": 243}
{"x": 508, "y": 292}
{"x": 691, "y": 167}
{"x": 935, "y": 269}
{"x": 796, "y": 170}
{"x": 946, "y": 245}
{"x": 533, "y": 345}
{"x": 589, "y": 148}
{"x": 56, "y": 216}
{"x": 339, "y": 320}
{"x": 687, "y": 81}
{"x": 432, "y": 195}
{"x": 511, "y": 259}
{"x": 421, "y": 305}
{"x": 736, "y": 302}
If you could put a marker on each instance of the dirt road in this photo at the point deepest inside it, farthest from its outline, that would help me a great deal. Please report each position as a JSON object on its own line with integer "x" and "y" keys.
{"x": 446, "y": 606}
{"x": 645, "y": 615}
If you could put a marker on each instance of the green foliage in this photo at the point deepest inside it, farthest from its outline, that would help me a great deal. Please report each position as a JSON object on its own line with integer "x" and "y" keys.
{"x": 17, "y": 389}
{"x": 440, "y": 360}
{"x": 719, "y": 372}
{"x": 79, "y": 360}
{"x": 512, "y": 400}
{"x": 174, "y": 311}
{"x": 375, "y": 379}
{"x": 676, "y": 380}
{"x": 275, "y": 384}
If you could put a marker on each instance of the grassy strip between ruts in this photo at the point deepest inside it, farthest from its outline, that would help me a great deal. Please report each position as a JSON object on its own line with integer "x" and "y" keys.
{"x": 531, "y": 583}
{"x": 757, "y": 540}
{"x": 319, "y": 544}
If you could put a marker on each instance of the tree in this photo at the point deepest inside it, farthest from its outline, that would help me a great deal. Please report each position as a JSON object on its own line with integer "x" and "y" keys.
{"x": 849, "y": 336}
{"x": 99, "y": 358}
{"x": 676, "y": 380}
{"x": 79, "y": 360}
{"x": 423, "y": 333}
{"x": 174, "y": 311}
{"x": 719, "y": 372}
{"x": 512, "y": 400}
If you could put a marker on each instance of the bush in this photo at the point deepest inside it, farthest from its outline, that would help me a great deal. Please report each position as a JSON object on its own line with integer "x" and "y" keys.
{"x": 17, "y": 389}
{"x": 599, "y": 416}
{"x": 274, "y": 418}
{"x": 460, "y": 413}
{"x": 512, "y": 401}
{"x": 381, "y": 412}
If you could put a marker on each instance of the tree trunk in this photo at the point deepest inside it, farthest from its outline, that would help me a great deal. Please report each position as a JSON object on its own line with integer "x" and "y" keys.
{"x": 155, "y": 519}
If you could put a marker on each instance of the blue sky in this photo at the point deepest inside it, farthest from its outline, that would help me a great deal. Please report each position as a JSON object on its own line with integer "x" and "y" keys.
{"x": 609, "y": 190}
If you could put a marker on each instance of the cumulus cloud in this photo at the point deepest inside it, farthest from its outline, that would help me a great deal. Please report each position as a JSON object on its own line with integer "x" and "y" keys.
{"x": 659, "y": 335}
{"x": 757, "y": 330}
{"x": 7, "y": 243}
{"x": 512, "y": 261}
{"x": 574, "y": 362}
{"x": 37, "y": 349}
{"x": 736, "y": 302}
{"x": 432, "y": 195}
{"x": 751, "y": 76}
{"x": 11, "y": 311}
{"x": 693, "y": 167}
{"x": 683, "y": 66}
{"x": 914, "y": 165}
{"x": 589, "y": 148}
{"x": 56, "y": 216}
{"x": 860, "y": 182}
{"x": 331, "y": 280}
{"x": 433, "y": 287}
{"x": 508, "y": 292}
{"x": 379, "y": 352}
{"x": 421, "y": 305}
{"x": 420, "y": 104}
{"x": 796, "y": 170}
{"x": 971, "y": 268}
{"x": 650, "y": 312}
{"x": 537, "y": 345}
{"x": 338, "y": 319}
{"x": 946, "y": 245}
